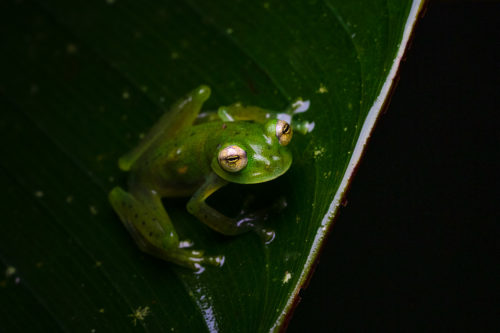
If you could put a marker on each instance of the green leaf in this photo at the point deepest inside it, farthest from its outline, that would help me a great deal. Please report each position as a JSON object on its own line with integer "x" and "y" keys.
{"x": 81, "y": 80}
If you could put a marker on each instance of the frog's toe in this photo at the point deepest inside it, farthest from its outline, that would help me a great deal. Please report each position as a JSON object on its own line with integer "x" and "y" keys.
{"x": 187, "y": 243}
{"x": 194, "y": 264}
{"x": 303, "y": 127}
{"x": 196, "y": 253}
{"x": 197, "y": 261}
{"x": 267, "y": 235}
{"x": 217, "y": 261}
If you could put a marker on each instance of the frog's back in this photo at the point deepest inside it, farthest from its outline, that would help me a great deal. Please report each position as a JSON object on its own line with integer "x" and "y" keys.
{"x": 178, "y": 166}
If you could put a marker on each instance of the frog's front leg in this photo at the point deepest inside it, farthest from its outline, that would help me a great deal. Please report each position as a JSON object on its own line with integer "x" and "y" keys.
{"x": 219, "y": 222}
{"x": 143, "y": 215}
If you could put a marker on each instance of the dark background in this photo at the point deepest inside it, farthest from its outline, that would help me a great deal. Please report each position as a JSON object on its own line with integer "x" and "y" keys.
{"x": 416, "y": 246}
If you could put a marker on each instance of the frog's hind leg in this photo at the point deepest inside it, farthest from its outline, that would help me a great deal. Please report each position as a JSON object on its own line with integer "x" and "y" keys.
{"x": 181, "y": 115}
{"x": 239, "y": 112}
{"x": 149, "y": 225}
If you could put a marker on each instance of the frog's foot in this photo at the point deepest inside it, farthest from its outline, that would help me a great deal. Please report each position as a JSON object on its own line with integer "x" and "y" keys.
{"x": 303, "y": 127}
{"x": 254, "y": 221}
{"x": 300, "y": 126}
{"x": 184, "y": 244}
{"x": 257, "y": 219}
{"x": 267, "y": 235}
{"x": 192, "y": 259}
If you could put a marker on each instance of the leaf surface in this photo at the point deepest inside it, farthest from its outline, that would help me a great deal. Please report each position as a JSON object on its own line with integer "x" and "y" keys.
{"x": 82, "y": 81}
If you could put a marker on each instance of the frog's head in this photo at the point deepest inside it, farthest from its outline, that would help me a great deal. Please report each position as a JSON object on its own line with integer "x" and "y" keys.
{"x": 257, "y": 157}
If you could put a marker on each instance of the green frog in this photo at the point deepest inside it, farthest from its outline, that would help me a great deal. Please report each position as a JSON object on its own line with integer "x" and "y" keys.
{"x": 188, "y": 153}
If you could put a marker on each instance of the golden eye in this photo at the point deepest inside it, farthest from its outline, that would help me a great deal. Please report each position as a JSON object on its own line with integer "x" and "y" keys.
{"x": 233, "y": 159}
{"x": 283, "y": 132}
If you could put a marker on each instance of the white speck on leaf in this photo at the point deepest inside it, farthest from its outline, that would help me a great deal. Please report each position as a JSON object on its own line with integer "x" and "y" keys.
{"x": 139, "y": 314}
{"x": 11, "y": 270}
{"x": 318, "y": 152}
{"x": 322, "y": 89}
{"x": 287, "y": 277}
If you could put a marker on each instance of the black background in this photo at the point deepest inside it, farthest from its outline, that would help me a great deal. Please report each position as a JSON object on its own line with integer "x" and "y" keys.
{"x": 416, "y": 247}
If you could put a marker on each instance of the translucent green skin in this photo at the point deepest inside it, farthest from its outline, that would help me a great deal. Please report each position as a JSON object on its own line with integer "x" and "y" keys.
{"x": 178, "y": 158}
{"x": 179, "y": 166}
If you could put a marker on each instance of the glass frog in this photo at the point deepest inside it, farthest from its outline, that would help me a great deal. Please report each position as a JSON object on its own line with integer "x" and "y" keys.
{"x": 188, "y": 153}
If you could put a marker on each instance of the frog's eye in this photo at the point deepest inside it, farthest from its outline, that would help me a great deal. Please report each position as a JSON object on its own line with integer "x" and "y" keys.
{"x": 283, "y": 132}
{"x": 233, "y": 159}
